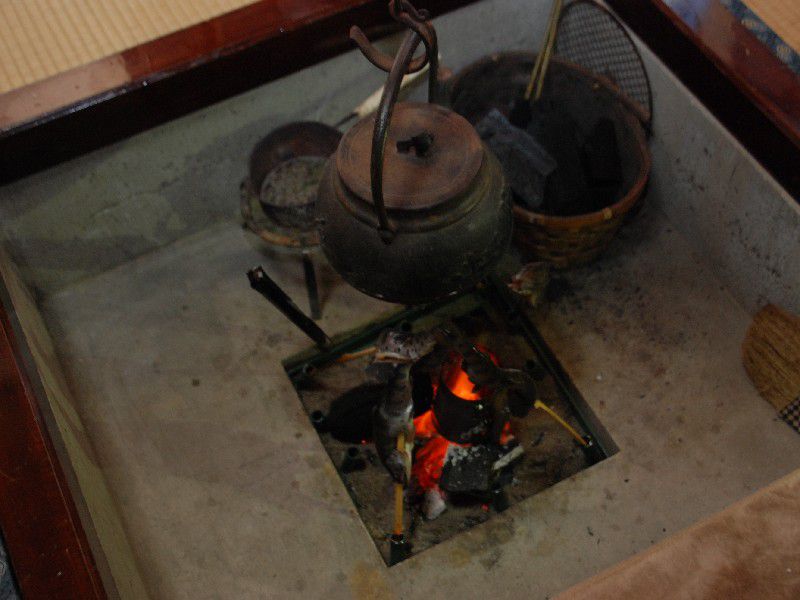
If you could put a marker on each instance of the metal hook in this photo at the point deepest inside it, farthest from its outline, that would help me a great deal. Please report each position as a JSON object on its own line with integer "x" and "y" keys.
{"x": 404, "y": 12}
{"x": 397, "y": 66}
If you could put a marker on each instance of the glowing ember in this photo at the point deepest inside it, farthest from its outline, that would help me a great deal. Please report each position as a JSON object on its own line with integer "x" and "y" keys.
{"x": 425, "y": 426}
{"x": 457, "y": 380}
{"x": 428, "y": 462}
{"x": 430, "y": 458}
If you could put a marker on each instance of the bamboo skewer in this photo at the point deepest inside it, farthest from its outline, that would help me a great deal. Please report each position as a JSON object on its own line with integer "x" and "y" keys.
{"x": 548, "y": 49}
{"x": 541, "y": 405}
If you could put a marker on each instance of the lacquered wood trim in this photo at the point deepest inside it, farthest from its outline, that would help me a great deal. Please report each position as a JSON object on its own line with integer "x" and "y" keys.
{"x": 753, "y": 94}
{"x": 108, "y": 100}
{"x": 46, "y": 542}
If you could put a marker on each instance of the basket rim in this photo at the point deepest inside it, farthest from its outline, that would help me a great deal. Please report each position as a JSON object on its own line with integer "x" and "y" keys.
{"x": 618, "y": 208}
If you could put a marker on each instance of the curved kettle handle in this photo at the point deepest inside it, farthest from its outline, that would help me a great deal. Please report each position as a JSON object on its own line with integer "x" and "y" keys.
{"x": 402, "y": 63}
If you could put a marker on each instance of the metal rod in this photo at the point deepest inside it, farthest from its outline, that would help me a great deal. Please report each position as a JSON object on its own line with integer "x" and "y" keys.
{"x": 500, "y": 293}
{"x": 398, "y": 493}
{"x": 402, "y": 64}
{"x": 265, "y": 286}
{"x": 381, "y": 131}
{"x": 571, "y": 430}
{"x": 311, "y": 286}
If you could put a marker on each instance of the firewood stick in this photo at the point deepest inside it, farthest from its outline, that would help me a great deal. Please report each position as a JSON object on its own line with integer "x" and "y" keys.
{"x": 354, "y": 355}
{"x": 398, "y": 493}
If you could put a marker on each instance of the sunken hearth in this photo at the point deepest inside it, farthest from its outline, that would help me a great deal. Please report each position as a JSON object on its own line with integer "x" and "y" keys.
{"x": 474, "y": 454}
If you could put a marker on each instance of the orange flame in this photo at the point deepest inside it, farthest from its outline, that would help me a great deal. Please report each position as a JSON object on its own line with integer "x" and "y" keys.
{"x": 457, "y": 380}
{"x": 429, "y": 460}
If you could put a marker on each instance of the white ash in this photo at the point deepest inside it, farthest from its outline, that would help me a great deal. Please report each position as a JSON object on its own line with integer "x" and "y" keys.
{"x": 433, "y": 504}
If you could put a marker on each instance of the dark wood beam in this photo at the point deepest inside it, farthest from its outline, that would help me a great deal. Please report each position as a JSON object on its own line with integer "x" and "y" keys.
{"x": 44, "y": 124}
{"x": 46, "y": 543}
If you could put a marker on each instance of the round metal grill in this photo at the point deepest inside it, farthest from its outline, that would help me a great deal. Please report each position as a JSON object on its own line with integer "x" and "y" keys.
{"x": 591, "y": 37}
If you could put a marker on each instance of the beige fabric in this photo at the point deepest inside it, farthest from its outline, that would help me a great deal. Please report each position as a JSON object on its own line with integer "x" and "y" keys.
{"x": 749, "y": 550}
{"x": 782, "y": 16}
{"x": 40, "y": 38}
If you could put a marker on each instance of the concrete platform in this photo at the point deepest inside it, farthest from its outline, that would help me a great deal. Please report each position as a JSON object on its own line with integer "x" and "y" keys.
{"x": 226, "y": 491}
{"x": 200, "y": 445}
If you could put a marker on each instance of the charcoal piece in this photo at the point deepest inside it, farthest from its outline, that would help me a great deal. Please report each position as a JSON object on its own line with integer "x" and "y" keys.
{"x": 526, "y": 163}
{"x": 421, "y": 389}
{"x": 602, "y": 165}
{"x": 349, "y": 419}
{"x": 353, "y": 460}
{"x": 601, "y": 159}
{"x": 468, "y": 468}
{"x": 500, "y": 500}
{"x": 566, "y": 191}
{"x": 319, "y": 421}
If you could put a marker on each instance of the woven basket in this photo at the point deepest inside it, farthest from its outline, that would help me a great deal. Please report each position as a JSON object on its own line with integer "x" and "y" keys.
{"x": 495, "y": 82}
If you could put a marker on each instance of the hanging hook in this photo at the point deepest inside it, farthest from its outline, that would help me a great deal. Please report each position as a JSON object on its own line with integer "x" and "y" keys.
{"x": 416, "y": 20}
{"x": 397, "y": 66}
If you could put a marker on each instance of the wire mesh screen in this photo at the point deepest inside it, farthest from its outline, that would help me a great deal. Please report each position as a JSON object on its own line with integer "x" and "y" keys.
{"x": 590, "y": 36}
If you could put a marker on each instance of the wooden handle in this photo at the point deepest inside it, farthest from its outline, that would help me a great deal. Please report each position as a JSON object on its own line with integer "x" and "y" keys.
{"x": 398, "y": 493}
{"x": 542, "y": 58}
{"x": 548, "y": 50}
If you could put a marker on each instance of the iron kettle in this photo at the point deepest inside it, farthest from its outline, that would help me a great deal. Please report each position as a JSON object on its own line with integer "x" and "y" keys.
{"x": 412, "y": 207}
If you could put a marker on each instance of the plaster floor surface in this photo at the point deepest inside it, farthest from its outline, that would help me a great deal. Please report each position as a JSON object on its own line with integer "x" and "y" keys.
{"x": 227, "y": 492}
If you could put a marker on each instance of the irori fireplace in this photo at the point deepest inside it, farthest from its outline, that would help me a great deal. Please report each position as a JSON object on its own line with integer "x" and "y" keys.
{"x": 472, "y": 480}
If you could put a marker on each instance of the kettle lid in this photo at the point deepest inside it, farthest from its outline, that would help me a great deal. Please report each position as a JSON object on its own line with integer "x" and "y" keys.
{"x": 431, "y": 155}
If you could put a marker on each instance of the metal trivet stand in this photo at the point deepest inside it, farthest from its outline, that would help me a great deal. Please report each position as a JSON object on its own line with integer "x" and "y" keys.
{"x": 492, "y": 294}
{"x": 275, "y": 235}
{"x": 285, "y": 217}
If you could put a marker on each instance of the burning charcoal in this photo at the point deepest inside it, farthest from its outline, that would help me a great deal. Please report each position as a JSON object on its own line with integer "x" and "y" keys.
{"x": 468, "y": 468}
{"x": 433, "y": 503}
{"x": 525, "y": 161}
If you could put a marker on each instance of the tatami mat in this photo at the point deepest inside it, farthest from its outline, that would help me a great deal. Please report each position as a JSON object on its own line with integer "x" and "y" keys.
{"x": 40, "y": 38}
{"x": 782, "y": 16}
